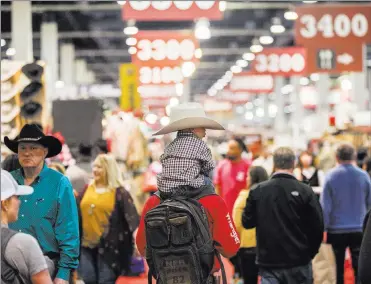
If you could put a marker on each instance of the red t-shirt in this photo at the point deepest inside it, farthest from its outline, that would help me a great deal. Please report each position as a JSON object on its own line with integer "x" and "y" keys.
{"x": 231, "y": 179}
{"x": 221, "y": 225}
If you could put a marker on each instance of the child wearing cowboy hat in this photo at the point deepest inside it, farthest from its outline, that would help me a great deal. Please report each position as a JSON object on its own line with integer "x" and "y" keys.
{"x": 187, "y": 161}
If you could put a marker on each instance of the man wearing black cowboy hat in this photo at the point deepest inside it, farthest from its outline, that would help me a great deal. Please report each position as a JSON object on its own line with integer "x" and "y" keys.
{"x": 50, "y": 213}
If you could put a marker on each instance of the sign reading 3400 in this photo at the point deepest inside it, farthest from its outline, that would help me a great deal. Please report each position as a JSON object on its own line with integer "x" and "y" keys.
{"x": 333, "y": 24}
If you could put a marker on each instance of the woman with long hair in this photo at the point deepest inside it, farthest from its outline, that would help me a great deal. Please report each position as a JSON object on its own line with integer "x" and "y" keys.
{"x": 109, "y": 219}
{"x": 247, "y": 252}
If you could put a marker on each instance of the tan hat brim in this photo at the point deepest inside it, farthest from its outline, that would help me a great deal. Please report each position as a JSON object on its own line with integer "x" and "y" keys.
{"x": 190, "y": 122}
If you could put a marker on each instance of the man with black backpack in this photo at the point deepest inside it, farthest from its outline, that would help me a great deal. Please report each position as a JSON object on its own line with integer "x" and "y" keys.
{"x": 186, "y": 225}
{"x": 22, "y": 261}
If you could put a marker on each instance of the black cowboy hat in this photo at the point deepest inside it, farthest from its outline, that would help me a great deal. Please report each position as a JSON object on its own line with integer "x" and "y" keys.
{"x": 33, "y": 71}
{"x": 33, "y": 134}
{"x": 32, "y": 89}
{"x": 31, "y": 109}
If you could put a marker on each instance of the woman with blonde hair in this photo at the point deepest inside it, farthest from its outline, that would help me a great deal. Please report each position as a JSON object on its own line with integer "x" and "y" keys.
{"x": 109, "y": 219}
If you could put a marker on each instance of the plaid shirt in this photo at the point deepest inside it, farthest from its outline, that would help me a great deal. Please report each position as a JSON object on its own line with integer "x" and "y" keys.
{"x": 186, "y": 161}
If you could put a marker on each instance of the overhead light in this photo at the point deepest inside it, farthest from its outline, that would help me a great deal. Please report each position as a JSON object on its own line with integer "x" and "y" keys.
{"x": 132, "y": 30}
{"x": 59, "y": 84}
{"x": 277, "y": 27}
{"x": 165, "y": 120}
{"x": 202, "y": 29}
{"x": 256, "y": 47}
{"x": 258, "y": 102}
{"x": 309, "y": 2}
{"x": 248, "y": 56}
{"x": 242, "y": 63}
{"x": 304, "y": 81}
{"x": 11, "y": 51}
{"x": 188, "y": 68}
{"x": 249, "y": 105}
{"x": 272, "y": 110}
{"x": 346, "y": 85}
{"x": 260, "y": 112}
{"x": 266, "y": 40}
{"x": 132, "y": 50}
{"x": 290, "y": 15}
{"x": 3, "y": 42}
{"x": 179, "y": 89}
{"x": 151, "y": 118}
{"x": 236, "y": 69}
{"x": 314, "y": 77}
{"x": 212, "y": 92}
{"x": 218, "y": 86}
{"x": 222, "y": 6}
{"x": 131, "y": 41}
{"x": 228, "y": 74}
{"x": 198, "y": 53}
{"x": 287, "y": 89}
{"x": 121, "y": 2}
{"x": 249, "y": 115}
{"x": 174, "y": 102}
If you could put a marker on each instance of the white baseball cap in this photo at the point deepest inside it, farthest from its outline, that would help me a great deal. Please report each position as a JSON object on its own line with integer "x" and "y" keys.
{"x": 10, "y": 187}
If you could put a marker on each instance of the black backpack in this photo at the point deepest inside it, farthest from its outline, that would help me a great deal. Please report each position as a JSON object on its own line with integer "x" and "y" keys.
{"x": 180, "y": 248}
{"x": 9, "y": 274}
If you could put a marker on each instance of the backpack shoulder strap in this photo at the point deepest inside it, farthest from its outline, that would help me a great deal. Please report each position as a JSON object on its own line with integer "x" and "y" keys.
{"x": 6, "y": 235}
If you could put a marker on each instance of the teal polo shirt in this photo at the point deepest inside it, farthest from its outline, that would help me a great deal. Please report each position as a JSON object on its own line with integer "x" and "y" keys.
{"x": 50, "y": 215}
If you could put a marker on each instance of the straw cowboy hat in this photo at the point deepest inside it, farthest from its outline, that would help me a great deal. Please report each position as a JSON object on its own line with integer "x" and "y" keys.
{"x": 32, "y": 133}
{"x": 33, "y": 71}
{"x": 186, "y": 116}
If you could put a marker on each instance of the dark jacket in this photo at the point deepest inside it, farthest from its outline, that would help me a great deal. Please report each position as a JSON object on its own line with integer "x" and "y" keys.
{"x": 117, "y": 246}
{"x": 288, "y": 220}
{"x": 364, "y": 271}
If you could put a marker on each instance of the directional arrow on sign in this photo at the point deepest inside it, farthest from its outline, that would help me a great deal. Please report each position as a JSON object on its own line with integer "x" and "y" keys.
{"x": 345, "y": 58}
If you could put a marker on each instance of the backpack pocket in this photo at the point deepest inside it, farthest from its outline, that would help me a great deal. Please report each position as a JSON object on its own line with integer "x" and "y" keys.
{"x": 157, "y": 233}
{"x": 181, "y": 230}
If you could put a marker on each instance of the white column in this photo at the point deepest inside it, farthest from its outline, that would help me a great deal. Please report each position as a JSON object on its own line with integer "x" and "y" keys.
{"x": 186, "y": 97}
{"x": 67, "y": 65}
{"x": 323, "y": 89}
{"x": 49, "y": 54}
{"x": 81, "y": 71}
{"x": 22, "y": 30}
{"x": 359, "y": 91}
{"x": 279, "y": 122}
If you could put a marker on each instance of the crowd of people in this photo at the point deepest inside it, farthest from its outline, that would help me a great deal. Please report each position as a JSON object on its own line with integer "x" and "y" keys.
{"x": 268, "y": 216}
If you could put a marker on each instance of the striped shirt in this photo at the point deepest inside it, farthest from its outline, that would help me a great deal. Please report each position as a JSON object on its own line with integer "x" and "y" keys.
{"x": 50, "y": 215}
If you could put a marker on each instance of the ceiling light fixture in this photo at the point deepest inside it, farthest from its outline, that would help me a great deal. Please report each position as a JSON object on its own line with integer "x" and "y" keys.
{"x": 304, "y": 81}
{"x": 248, "y": 56}
{"x": 309, "y": 2}
{"x": 277, "y": 27}
{"x": 202, "y": 29}
{"x": 266, "y": 39}
{"x": 3, "y": 42}
{"x": 11, "y": 51}
{"x": 314, "y": 77}
{"x": 242, "y": 63}
{"x": 256, "y": 47}
{"x": 121, "y": 2}
{"x": 236, "y": 69}
{"x": 131, "y": 41}
{"x": 132, "y": 30}
{"x": 188, "y": 68}
{"x": 290, "y": 15}
{"x": 198, "y": 53}
{"x": 59, "y": 84}
{"x": 132, "y": 50}
{"x": 212, "y": 92}
{"x": 222, "y": 6}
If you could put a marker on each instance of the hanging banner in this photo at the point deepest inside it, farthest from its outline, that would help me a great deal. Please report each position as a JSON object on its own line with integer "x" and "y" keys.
{"x": 336, "y": 59}
{"x": 318, "y": 25}
{"x": 129, "y": 99}
{"x": 171, "y": 10}
{"x": 252, "y": 83}
{"x": 164, "y": 48}
{"x": 288, "y": 61}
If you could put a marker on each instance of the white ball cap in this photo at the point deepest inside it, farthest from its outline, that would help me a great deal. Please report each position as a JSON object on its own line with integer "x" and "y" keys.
{"x": 10, "y": 187}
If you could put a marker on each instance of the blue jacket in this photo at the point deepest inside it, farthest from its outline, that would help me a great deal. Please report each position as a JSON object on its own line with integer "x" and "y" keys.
{"x": 345, "y": 199}
{"x": 50, "y": 215}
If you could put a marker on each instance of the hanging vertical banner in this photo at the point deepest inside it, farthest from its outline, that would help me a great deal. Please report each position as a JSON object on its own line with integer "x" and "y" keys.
{"x": 130, "y": 99}
{"x": 171, "y": 10}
